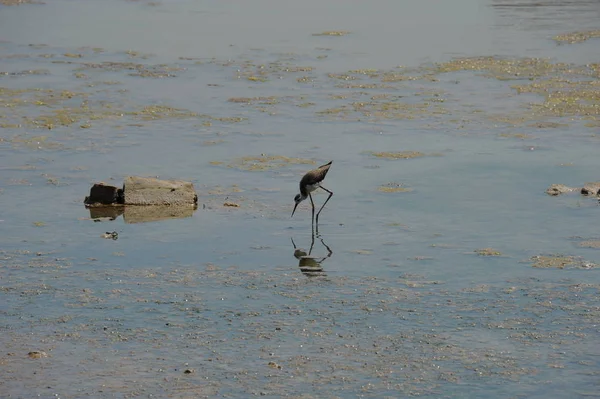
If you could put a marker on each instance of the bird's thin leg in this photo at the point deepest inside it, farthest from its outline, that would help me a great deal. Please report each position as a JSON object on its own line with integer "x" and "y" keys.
{"x": 323, "y": 206}
{"x": 312, "y": 243}
{"x": 329, "y": 251}
{"x": 313, "y": 207}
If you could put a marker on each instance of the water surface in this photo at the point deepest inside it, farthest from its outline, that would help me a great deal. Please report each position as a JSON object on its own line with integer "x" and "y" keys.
{"x": 216, "y": 304}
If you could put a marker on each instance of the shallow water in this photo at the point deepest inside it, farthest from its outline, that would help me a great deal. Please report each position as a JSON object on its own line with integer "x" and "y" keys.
{"x": 403, "y": 304}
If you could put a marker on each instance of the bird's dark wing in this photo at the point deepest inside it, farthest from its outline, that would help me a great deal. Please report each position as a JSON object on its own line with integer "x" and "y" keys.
{"x": 322, "y": 170}
{"x": 327, "y": 164}
{"x": 314, "y": 176}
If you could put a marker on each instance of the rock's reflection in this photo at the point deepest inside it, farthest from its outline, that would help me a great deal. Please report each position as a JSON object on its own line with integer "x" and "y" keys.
{"x": 140, "y": 214}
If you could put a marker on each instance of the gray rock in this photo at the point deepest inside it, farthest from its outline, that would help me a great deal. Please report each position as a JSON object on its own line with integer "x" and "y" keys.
{"x": 102, "y": 194}
{"x": 591, "y": 188}
{"x": 151, "y": 191}
{"x": 557, "y": 189}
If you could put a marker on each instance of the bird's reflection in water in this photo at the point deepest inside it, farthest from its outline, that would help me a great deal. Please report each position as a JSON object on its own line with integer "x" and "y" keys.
{"x": 310, "y": 265}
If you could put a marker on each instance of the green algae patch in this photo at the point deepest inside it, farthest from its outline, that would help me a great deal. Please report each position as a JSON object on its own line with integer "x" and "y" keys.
{"x": 254, "y": 78}
{"x": 48, "y": 109}
{"x": 305, "y": 79}
{"x": 364, "y": 86}
{"x": 553, "y": 261}
{"x": 27, "y": 72}
{"x": 394, "y": 188}
{"x": 266, "y": 162}
{"x": 583, "y": 99}
{"x": 134, "y": 69}
{"x": 386, "y": 107}
{"x": 521, "y": 136}
{"x": 577, "y": 96}
{"x": 19, "y": 2}
{"x": 560, "y": 262}
{"x": 568, "y": 90}
{"x": 341, "y": 76}
{"x": 547, "y": 125}
{"x": 501, "y": 68}
{"x": 60, "y": 117}
{"x": 297, "y": 69}
{"x": 137, "y": 54}
{"x": 398, "y": 155}
{"x": 11, "y": 98}
{"x": 515, "y": 68}
{"x": 396, "y": 224}
{"x": 226, "y": 119}
{"x": 64, "y": 117}
{"x": 332, "y": 33}
{"x": 35, "y": 143}
{"x": 254, "y": 100}
{"x": 576, "y": 37}
{"x": 487, "y": 252}
{"x": 398, "y": 76}
{"x": 384, "y": 79}
{"x": 342, "y": 111}
{"x": 154, "y": 112}
{"x": 264, "y": 72}
{"x": 590, "y": 244}
{"x": 397, "y": 110}
{"x": 51, "y": 109}
{"x": 371, "y": 72}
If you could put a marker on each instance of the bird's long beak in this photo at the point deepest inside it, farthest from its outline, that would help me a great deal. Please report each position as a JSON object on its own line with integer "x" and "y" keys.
{"x": 295, "y": 206}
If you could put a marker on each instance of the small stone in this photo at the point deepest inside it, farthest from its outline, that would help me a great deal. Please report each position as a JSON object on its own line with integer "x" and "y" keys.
{"x": 37, "y": 354}
{"x": 591, "y": 188}
{"x": 110, "y": 235}
{"x": 487, "y": 252}
{"x": 274, "y": 365}
{"x": 557, "y": 189}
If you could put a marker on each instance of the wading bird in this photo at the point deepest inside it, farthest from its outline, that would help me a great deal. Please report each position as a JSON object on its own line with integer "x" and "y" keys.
{"x": 309, "y": 183}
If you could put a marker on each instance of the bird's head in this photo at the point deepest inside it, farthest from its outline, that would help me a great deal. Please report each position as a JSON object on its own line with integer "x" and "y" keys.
{"x": 297, "y": 199}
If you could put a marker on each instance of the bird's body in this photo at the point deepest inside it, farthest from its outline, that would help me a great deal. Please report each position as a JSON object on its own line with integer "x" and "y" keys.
{"x": 311, "y": 181}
